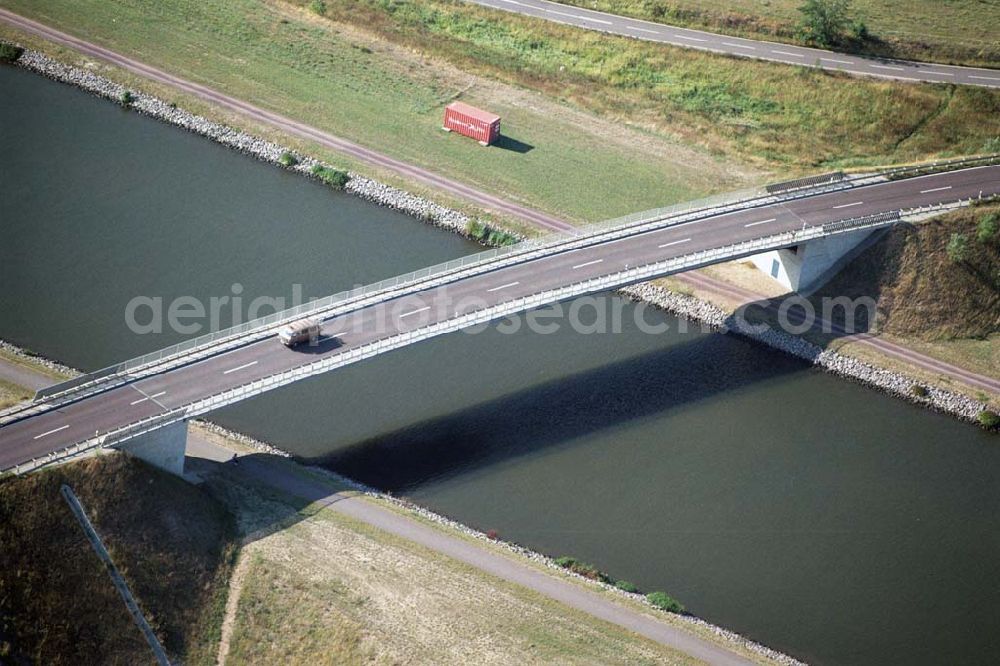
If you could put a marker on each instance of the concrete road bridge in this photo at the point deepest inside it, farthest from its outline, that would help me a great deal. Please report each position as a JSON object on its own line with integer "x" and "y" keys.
{"x": 800, "y": 231}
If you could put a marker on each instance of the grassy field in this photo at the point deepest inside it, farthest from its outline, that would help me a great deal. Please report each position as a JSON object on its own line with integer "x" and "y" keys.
{"x": 171, "y": 541}
{"x": 780, "y": 117}
{"x": 619, "y": 125}
{"x": 332, "y": 590}
{"x": 11, "y": 394}
{"x": 325, "y": 588}
{"x": 557, "y": 158}
{"x": 955, "y": 31}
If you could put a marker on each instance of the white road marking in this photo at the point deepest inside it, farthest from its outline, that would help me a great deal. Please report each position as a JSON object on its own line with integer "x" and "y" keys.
{"x": 690, "y": 39}
{"x": 788, "y": 53}
{"x": 504, "y": 286}
{"x": 856, "y": 203}
{"x": 576, "y": 16}
{"x": 984, "y": 78}
{"x": 754, "y": 224}
{"x": 898, "y": 69}
{"x": 675, "y": 242}
{"x": 413, "y": 312}
{"x": 589, "y": 263}
{"x": 652, "y": 32}
{"x": 148, "y": 397}
{"x": 935, "y": 189}
{"x": 842, "y": 62}
{"x": 927, "y": 71}
{"x": 52, "y": 431}
{"x": 739, "y": 46}
{"x": 241, "y": 367}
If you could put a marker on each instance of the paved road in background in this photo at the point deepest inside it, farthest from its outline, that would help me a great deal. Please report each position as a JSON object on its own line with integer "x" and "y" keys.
{"x": 53, "y": 430}
{"x": 886, "y": 68}
{"x": 301, "y": 130}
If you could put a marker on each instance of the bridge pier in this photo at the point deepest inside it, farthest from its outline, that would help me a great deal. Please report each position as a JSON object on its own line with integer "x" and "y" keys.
{"x": 806, "y": 267}
{"x": 162, "y": 448}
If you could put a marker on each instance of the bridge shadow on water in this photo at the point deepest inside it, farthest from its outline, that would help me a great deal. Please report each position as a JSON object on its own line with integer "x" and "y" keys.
{"x": 559, "y": 411}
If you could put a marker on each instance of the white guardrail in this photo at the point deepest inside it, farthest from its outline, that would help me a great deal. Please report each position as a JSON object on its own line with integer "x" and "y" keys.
{"x": 214, "y": 343}
{"x": 481, "y": 316}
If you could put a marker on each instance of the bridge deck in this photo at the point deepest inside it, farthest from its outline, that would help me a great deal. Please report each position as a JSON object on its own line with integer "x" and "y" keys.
{"x": 41, "y": 434}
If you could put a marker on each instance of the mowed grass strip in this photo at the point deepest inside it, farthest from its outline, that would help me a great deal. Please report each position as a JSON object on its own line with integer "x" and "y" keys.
{"x": 783, "y": 117}
{"x": 289, "y": 61}
{"x": 333, "y": 590}
{"x": 955, "y": 31}
{"x": 380, "y": 72}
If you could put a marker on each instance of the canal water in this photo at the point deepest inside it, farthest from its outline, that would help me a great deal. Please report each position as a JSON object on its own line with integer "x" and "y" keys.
{"x": 809, "y": 513}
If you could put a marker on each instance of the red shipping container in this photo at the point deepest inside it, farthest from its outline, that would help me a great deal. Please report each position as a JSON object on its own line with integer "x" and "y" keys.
{"x": 482, "y": 126}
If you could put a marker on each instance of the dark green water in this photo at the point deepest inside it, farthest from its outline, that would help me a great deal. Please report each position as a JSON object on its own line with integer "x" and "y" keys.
{"x": 812, "y": 514}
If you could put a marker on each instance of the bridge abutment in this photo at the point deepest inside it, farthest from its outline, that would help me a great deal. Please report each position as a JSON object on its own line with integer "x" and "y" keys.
{"x": 808, "y": 266}
{"x": 162, "y": 448}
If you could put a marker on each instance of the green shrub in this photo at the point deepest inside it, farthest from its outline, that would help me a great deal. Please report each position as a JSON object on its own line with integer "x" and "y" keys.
{"x": 986, "y": 229}
{"x": 958, "y": 248}
{"x": 335, "y": 178}
{"x": 989, "y": 419}
{"x": 859, "y": 31}
{"x": 476, "y": 229}
{"x": 992, "y": 145}
{"x": 486, "y": 234}
{"x": 664, "y": 601}
{"x": 824, "y": 22}
{"x": 288, "y": 160}
{"x": 10, "y": 52}
{"x": 626, "y": 586}
{"x": 318, "y": 6}
{"x": 126, "y": 97}
{"x": 919, "y": 391}
{"x": 582, "y": 568}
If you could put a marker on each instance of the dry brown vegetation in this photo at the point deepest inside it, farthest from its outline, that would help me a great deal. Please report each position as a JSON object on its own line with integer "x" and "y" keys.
{"x": 171, "y": 540}
{"x": 792, "y": 118}
{"x": 959, "y": 31}
{"x": 921, "y": 292}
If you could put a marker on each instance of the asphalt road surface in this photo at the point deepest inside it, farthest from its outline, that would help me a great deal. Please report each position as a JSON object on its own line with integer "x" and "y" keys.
{"x": 53, "y": 430}
{"x": 206, "y": 456}
{"x": 885, "y": 68}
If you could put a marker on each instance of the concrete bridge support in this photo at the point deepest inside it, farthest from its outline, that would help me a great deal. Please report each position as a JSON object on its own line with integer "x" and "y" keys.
{"x": 163, "y": 448}
{"x": 806, "y": 267}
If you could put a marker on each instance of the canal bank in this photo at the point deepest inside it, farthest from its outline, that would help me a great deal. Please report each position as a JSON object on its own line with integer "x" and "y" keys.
{"x": 893, "y": 383}
{"x": 217, "y": 443}
{"x": 760, "y": 493}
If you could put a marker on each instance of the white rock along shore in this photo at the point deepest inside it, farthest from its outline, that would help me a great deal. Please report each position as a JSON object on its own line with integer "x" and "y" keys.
{"x": 432, "y": 213}
{"x": 427, "y": 211}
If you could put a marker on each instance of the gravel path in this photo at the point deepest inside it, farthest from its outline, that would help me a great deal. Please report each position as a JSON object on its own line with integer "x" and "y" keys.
{"x": 910, "y": 356}
{"x": 293, "y": 127}
{"x": 494, "y": 564}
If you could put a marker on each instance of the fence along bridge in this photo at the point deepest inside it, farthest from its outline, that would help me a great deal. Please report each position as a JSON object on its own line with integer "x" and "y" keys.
{"x": 143, "y": 404}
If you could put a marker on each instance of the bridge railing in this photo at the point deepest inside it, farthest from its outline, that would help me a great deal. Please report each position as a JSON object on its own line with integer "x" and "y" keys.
{"x": 483, "y": 315}
{"x": 211, "y": 343}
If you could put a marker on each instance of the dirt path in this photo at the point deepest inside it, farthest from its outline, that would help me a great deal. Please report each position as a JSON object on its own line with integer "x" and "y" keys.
{"x": 488, "y": 201}
{"x": 232, "y": 603}
{"x": 566, "y": 592}
{"x": 915, "y": 358}
{"x": 293, "y": 127}
{"x": 313, "y": 489}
